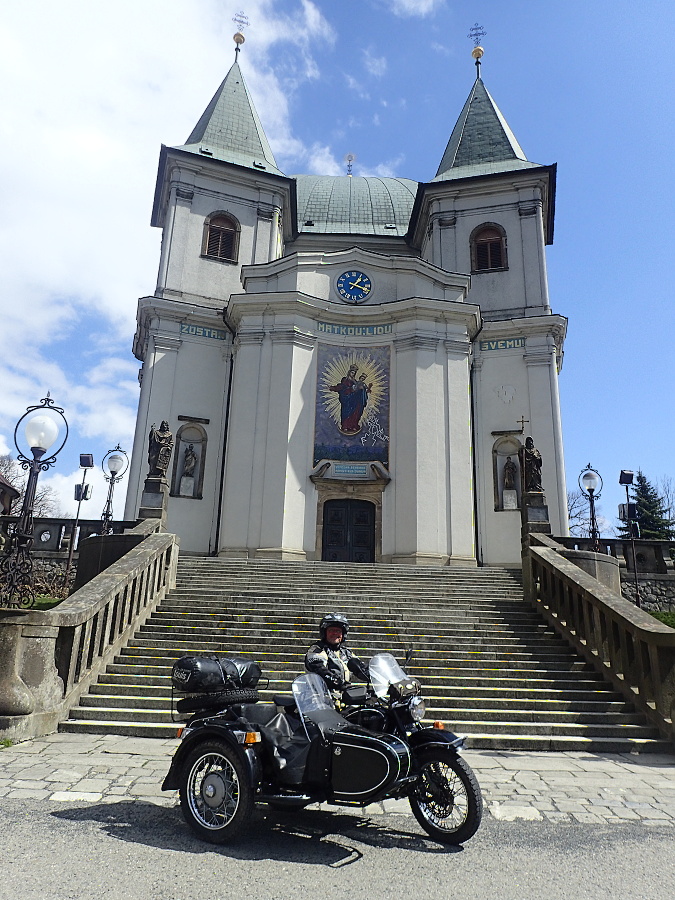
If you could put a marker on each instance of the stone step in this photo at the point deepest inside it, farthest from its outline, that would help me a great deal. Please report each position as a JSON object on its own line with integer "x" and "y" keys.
{"x": 144, "y": 656}
{"x": 516, "y": 707}
{"x": 478, "y": 741}
{"x": 490, "y": 667}
{"x": 454, "y": 713}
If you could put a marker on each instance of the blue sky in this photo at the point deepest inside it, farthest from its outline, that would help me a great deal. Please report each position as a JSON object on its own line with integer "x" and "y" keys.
{"x": 93, "y": 89}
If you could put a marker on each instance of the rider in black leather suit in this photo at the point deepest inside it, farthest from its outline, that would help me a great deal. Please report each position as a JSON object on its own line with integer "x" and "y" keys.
{"x": 330, "y": 658}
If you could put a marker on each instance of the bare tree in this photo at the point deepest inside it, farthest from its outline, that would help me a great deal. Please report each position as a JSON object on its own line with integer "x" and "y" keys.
{"x": 46, "y": 499}
{"x": 666, "y": 488}
{"x": 579, "y": 514}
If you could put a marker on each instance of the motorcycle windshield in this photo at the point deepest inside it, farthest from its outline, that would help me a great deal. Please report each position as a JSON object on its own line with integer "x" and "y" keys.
{"x": 311, "y": 693}
{"x": 384, "y": 670}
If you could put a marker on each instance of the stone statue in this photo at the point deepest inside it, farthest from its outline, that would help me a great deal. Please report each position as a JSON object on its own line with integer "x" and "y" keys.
{"x": 510, "y": 471}
{"x": 189, "y": 461}
{"x": 160, "y": 445}
{"x": 531, "y": 467}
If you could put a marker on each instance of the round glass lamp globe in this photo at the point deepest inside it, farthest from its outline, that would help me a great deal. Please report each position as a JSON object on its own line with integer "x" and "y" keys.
{"x": 41, "y": 432}
{"x": 115, "y": 463}
{"x": 589, "y": 481}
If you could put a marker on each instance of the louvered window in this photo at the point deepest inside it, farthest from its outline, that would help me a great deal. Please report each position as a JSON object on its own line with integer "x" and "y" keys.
{"x": 488, "y": 250}
{"x": 221, "y": 238}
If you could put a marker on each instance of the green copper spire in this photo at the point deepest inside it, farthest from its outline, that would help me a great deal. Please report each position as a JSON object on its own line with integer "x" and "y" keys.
{"x": 230, "y": 129}
{"x": 481, "y": 141}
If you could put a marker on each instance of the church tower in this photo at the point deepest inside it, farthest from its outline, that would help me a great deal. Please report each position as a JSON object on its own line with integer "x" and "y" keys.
{"x": 221, "y": 203}
{"x": 349, "y": 365}
{"x": 489, "y": 211}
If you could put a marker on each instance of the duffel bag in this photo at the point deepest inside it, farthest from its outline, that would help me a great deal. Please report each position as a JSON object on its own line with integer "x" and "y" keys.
{"x": 209, "y": 674}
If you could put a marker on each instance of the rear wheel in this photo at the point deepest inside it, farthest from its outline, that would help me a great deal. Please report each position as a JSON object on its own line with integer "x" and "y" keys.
{"x": 215, "y": 795}
{"x": 447, "y": 801}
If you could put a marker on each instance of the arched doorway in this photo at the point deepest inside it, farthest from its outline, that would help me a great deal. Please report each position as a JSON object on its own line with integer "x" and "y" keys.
{"x": 348, "y": 531}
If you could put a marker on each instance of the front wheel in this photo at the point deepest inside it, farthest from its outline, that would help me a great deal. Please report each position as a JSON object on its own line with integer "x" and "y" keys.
{"x": 446, "y": 801}
{"x": 215, "y": 795}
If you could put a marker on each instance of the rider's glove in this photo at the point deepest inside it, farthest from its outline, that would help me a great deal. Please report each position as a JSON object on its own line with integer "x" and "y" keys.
{"x": 333, "y": 681}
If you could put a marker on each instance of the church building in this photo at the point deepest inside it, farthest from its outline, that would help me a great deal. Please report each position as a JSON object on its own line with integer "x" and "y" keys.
{"x": 349, "y": 365}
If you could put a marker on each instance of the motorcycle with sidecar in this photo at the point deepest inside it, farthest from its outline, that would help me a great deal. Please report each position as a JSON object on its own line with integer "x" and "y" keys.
{"x": 298, "y": 750}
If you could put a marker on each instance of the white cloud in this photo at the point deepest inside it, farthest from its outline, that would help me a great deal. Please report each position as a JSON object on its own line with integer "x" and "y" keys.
{"x": 406, "y": 8}
{"x": 376, "y": 65}
{"x": 388, "y": 169}
{"x": 320, "y": 161}
{"x": 90, "y": 93}
{"x": 355, "y": 85}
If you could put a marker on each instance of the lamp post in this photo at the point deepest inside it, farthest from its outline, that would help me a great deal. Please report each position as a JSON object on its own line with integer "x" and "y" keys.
{"x": 626, "y": 478}
{"x": 82, "y": 492}
{"x": 118, "y": 463}
{"x": 590, "y": 483}
{"x": 16, "y": 566}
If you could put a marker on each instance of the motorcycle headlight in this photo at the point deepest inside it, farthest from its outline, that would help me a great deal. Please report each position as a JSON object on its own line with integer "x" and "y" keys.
{"x": 418, "y": 708}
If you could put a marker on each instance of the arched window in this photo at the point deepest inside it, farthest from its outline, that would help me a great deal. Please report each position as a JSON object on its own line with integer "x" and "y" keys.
{"x": 488, "y": 248}
{"x": 221, "y": 238}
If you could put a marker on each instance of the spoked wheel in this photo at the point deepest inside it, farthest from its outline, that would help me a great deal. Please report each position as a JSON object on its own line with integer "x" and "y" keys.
{"x": 447, "y": 801}
{"x": 215, "y": 795}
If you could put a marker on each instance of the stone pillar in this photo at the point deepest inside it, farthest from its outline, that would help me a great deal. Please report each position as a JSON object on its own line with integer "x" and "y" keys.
{"x": 15, "y": 697}
{"x": 154, "y": 500}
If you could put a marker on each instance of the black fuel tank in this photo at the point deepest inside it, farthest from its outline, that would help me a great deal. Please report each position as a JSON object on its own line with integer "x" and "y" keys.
{"x": 365, "y": 766}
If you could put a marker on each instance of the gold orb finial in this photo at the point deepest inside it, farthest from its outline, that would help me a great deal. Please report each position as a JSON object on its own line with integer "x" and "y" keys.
{"x": 477, "y": 52}
{"x": 239, "y": 39}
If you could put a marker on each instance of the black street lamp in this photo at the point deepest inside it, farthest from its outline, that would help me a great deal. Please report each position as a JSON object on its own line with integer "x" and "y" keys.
{"x": 590, "y": 483}
{"x": 82, "y": 492}
{"x": 630, "y": 517}
{"x": 118, "y": 463}
{"x": 17, "y": 587}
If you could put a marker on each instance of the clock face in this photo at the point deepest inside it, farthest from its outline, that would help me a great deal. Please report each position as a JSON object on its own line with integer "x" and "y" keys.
{"x": 354, "y": 287}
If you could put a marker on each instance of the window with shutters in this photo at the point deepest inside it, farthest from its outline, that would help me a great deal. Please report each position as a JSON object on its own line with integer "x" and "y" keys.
{"x": 221, "y": 238}
{"x": 488, "y": 248}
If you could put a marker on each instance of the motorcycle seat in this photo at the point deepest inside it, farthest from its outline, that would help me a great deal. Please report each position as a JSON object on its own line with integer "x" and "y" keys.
{"x": 284, "y": 700}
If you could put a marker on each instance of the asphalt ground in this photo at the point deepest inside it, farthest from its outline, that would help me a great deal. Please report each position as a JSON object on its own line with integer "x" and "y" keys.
{"x": 83, "y": 817}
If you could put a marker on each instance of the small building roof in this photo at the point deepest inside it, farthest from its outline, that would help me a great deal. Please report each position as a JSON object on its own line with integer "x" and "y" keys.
{"x": 346, "y": 204}
{"x": 481, "y": 142}
{"x": 230, "y": 129}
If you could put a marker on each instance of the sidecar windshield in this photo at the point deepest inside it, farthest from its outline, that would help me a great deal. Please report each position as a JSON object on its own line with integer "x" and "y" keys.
{"x": 311, "y": 694}
{"x": 384, "y": 670}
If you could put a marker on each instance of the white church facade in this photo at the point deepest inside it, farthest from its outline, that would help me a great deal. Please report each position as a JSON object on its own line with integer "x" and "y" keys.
{"x": 350, "y": 365}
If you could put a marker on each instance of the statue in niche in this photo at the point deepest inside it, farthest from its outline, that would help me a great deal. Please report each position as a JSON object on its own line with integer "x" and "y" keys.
{"x": 189, "y": 461}
{"x": 160, "y": 445}
{"x": 510, "y": 472}
{"x": 531, "y": 467}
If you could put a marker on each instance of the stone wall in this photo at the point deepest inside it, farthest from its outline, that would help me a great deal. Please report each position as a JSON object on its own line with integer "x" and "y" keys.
{"x": 657, "y": 592}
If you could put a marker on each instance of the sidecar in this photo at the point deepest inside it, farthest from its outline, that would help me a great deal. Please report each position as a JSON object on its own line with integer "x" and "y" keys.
{"x": 295, "y": 751}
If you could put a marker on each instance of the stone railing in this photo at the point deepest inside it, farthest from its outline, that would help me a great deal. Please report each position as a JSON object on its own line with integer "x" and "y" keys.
{"x": 651, "y": 556}
{"x": 48, "y": 659}
{"x": 632, "y": 649}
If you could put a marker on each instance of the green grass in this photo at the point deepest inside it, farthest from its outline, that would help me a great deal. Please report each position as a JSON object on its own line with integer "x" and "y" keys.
{"x": 5, "y": 742}
{"x": 668, "y": 618}
{"x": 43, "y": 602}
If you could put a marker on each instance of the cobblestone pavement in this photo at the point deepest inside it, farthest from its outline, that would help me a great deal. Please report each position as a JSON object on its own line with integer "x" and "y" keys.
{"x": 560, "y": 787}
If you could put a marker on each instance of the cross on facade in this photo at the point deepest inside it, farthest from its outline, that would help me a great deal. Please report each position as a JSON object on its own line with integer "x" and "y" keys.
{"x": 521, "y": 421}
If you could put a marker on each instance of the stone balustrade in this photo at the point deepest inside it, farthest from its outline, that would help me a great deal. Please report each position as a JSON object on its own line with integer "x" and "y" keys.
{"x": 48, "y": 659}
{"x": 625, "y": 644}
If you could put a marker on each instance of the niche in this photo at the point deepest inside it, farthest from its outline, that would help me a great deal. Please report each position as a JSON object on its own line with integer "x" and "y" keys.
{"x": 506, "y": 473}
{"x": 188, "y": 462}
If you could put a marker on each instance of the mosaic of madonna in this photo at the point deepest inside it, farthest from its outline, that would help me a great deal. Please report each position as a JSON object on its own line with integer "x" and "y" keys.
{"x": 352, "y": 404}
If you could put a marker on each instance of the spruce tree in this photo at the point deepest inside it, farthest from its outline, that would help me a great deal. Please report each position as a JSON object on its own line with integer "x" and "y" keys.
{"x": 652, "y": 515}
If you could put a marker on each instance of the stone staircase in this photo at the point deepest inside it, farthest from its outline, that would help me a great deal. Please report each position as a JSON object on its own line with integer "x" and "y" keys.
{"x": 489, "y": 665}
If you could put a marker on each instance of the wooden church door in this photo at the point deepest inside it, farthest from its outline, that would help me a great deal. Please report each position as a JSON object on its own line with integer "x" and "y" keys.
{"x": 348, "y": 531}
